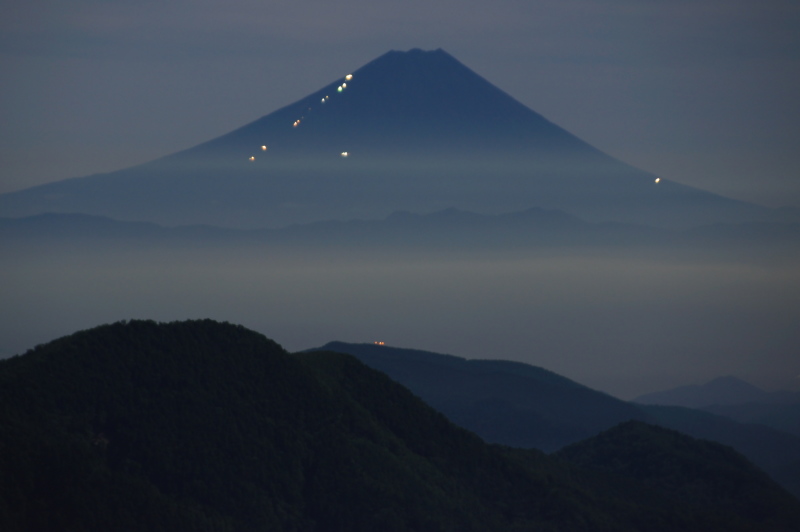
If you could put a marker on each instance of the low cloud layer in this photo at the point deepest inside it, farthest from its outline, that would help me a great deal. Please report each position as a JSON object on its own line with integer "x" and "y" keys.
{"x": 627, "y": 323}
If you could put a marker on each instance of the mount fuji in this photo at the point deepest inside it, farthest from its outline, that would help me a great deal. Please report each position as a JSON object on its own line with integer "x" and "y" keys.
{"x": 413, "y": 131}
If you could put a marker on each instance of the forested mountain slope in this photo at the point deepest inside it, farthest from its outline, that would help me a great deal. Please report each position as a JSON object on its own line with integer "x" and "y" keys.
{"x": 208, "y": 426}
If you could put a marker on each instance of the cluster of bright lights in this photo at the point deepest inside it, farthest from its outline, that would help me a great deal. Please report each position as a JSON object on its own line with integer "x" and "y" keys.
{"x": 297, "y": 122}
{"x": 325, "y": 98}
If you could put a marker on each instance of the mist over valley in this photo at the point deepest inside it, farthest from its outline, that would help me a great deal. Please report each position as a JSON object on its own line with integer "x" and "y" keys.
{"x": 624, "y": 318}
{"x": 408, "y": 205}
{"x": 460, "y": 221}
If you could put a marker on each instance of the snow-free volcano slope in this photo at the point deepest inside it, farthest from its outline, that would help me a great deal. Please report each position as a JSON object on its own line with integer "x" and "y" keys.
{"x": 415, "y": 131}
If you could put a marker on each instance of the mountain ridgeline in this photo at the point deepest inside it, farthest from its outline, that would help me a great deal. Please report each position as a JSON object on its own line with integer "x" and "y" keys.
{"x": 504, "y": 402}
{"x": 720, "y": 391}
{"x": 516, "y": 404}
{"x": 208, "y": 426}
{"x": 415, "y": 131}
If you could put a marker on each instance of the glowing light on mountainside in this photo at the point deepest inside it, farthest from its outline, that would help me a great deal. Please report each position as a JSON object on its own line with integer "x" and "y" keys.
{"x": 658, "y": 180}
{"x": 348, "y": 77}
{"x": 345, "y": 154}
{"x": 252, "y": 158}
{"x": 339, "y": 89}
{"x": 263, "y": 148}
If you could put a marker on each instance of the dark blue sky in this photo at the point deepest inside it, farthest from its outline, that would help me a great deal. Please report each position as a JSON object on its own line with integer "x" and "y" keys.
{"x": 702, "y": 92}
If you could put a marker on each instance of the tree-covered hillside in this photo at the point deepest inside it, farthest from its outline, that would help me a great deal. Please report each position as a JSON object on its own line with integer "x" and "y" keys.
{"x": 519, "y": 405}
{"x": 509, "y": 403}
{"x": 207, "y": 426}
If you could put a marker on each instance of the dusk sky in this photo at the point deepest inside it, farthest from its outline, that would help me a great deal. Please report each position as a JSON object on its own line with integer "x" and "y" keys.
{"x": 704, "y": 92}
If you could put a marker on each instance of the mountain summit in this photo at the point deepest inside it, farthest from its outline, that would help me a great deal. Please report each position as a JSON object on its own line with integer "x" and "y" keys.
{"x": 721, "y": 391}
{"x": 402, "y": 105}
{"x": 415, "y": 131}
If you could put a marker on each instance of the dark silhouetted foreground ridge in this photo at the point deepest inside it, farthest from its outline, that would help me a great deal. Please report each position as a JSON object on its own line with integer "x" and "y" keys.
{"x": 208, "y": 426}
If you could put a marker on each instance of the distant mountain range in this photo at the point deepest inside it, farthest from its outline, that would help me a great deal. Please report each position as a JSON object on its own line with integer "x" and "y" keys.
{"x": 450, "y": 229}
{"x": 722, "y": 391}
{"x": 735, "y": 399}
{"x": 517, "y": 404}
{"x": 503, "y": 402}
{"x": 209, "y": 426}
{"x": 410, "y": 131}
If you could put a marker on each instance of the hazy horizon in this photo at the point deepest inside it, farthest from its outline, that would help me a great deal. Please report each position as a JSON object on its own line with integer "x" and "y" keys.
{"x": 701, "y": 94}
{"x": 626, "y": 322}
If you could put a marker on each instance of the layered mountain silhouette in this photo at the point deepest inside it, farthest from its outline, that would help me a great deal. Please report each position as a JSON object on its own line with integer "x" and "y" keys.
{"x": 502, "y": 401}
{"x": 784, "y": 416}
{"x": 415, "y": 131}
{"x": 208, "y": 426}
{"x": 513, "y": 403}
{"x": 737, "y": 400}
{"x": 727, "y": 390}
